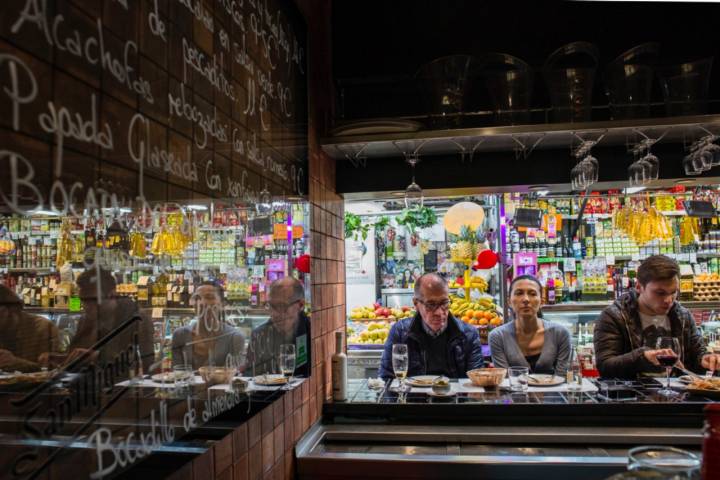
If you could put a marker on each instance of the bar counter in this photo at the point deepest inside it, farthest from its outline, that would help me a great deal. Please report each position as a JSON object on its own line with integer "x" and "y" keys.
{"x": 496, "y": 433}
{"x": 601, "y": 402}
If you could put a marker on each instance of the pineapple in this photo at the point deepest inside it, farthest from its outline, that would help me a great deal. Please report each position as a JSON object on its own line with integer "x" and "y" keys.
{"x": 465, "y": 245}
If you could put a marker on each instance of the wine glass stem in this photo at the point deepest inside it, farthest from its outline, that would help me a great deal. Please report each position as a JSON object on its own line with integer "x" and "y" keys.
{"x": 667, "y": 377}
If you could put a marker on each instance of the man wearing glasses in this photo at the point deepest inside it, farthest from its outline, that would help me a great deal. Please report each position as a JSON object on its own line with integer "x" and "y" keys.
{"x": 438, "y": 343}
{"x": 288, "y": 325}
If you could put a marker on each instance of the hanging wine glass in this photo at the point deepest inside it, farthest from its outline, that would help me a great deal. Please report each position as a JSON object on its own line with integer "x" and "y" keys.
{"x": 653, "y": 164}
{"x": 593, "y": 166}
{"x": 413, "y": 192}
{"x": 689, "y": 165}
{"x": 264, "y": 205}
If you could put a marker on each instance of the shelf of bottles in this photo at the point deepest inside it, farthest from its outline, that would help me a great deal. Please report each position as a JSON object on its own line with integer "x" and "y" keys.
{"x": 597, "y": 261}
{"x": 159, "y": 260}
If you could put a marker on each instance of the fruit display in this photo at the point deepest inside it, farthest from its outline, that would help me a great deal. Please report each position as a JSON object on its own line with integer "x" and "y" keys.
{"x": 7, "y": 247}
{"x": 377, "y": 311}
{"x": 467, "y": 247}
{"x": 374, "y": 333}
{"x": 478, "y": 283}
{"x": 460, "y": 306}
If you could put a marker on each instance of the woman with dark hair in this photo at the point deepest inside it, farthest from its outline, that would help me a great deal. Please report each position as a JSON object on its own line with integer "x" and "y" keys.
{"x": 207, "y": 340}
{"x": 530, "y": 341}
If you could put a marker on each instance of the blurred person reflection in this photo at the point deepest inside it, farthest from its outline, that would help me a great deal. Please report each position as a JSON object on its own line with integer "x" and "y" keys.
{"x": 108, "y": 318}
{"x": 208, "y": 339}
{"x": 288, "y": 324}
{"x": 23, "y": 337}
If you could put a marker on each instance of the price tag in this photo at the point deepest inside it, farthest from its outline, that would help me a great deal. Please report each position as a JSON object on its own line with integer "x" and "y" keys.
{"x": 157, "y": 312}
{"x": 610, "y": 259}
{"x": 693, "y": 257}
{"x": 635, "y": 257}
{"x": 569, "y": 264}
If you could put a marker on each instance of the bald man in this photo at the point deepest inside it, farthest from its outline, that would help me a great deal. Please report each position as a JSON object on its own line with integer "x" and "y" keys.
{"x": 288, "y": 325}
{"x": 438, "y": 343}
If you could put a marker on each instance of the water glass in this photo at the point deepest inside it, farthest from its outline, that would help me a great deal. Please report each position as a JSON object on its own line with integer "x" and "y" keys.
{"x": 664, "y": 462}
{"x": 400, "y": 362}
{"x": 287, "y": 360}
{"x": 518, "y": 379}
{"x": 182, "y": 376}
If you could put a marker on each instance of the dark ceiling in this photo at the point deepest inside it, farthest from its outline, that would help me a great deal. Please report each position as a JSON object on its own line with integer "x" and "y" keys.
{"x": 385, "y": 41}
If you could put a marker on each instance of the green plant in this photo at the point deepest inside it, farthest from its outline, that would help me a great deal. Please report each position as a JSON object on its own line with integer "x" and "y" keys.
{"x": 354, "y": 227}
{"x": 381, "y": 224}
{"x": 417, "y": 218}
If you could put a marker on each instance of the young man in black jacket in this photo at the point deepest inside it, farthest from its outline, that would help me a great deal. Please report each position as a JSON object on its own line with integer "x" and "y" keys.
{"x": 627, "y": 331}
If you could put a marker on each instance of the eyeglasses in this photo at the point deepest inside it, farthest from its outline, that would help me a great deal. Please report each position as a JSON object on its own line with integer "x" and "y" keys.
{"x": 280, "y": 307}
{"x": 431, "y": 306}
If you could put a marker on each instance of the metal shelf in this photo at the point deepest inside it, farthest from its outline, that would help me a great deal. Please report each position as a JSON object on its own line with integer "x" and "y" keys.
{"x": 520, "y": 138}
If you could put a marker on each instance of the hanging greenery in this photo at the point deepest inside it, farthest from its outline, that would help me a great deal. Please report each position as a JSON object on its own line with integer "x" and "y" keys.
{"x": 354, "y": 227}
{"x": 381, "y": 224}
{"x": 417, "y": 218}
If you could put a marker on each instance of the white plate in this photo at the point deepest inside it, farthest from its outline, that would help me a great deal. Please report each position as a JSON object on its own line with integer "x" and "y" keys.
{"x": 366, "y": 127}
{"x": 170, "y": 377}
{"x": 422, "y": 381}
{"x": 541, "y": 380}
{"x": 272, "y": 380}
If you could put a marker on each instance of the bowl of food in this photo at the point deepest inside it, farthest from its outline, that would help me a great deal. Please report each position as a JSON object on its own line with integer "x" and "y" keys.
{"x": 216, "y": 375}
{"x": 487, "y": 377}
{"x": 441, "y": 386}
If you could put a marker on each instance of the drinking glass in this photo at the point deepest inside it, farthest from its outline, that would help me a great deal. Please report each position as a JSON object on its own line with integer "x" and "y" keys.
{"x": 663, "y": 462}
{"x": 400, "y": 360}
{"x": 182, "y": 376}
{"x": 287, "y": 360}
{"x": 690, "y": 166}
{"x": 593, "y": 167}
{"x": 667, "y": 360}
{"x": 518, "y": 379}
{"x": 653, "y": 164}
{"x": 636, "y": 174}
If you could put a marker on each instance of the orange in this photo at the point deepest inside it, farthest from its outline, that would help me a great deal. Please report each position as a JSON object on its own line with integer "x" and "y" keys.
{"x": 470, "y": 313}
{"x": 483, "y": 321}
{"x": 478, "y": 315}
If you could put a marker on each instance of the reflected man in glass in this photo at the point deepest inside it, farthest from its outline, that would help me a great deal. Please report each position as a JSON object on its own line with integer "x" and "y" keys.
{"x": 110, "y": 323}
{"x": 23, "y": 337}
{"x": 288, "y": 325}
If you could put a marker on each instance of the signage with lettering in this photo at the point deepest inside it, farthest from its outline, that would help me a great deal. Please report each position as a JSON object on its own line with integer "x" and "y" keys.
{"x": 135, "y": 105}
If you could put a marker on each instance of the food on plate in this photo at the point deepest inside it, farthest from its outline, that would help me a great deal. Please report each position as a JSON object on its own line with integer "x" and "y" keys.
{"x": 705, "y": 384}
{"x": 269, "y": 379}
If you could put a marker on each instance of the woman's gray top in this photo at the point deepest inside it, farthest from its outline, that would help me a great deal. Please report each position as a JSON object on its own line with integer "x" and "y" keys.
{"x": 554, "y": 357}
{"x": 230, "y": 341}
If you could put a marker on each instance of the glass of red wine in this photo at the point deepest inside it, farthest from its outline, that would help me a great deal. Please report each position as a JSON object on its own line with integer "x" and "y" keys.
{"x": 668, "y": 358}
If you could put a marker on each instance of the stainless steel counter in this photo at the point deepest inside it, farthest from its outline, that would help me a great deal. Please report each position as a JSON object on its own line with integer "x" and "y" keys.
{"x": 328, "y": 452}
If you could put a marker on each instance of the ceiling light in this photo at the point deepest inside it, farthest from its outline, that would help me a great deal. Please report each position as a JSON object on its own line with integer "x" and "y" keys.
{"x": 196, "y": 208}
{"x": 631, "y": 190}
{"x": 49, "y": 213}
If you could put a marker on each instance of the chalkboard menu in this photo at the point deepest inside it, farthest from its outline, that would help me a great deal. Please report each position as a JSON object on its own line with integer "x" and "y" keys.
{"x": 127, "y": 105}
{"x": 120, "y": 102}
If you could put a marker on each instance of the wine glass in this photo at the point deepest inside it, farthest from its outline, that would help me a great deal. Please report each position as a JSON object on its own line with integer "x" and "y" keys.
{"x": 667, "y": 359}
{"x": 400, "y": 360}
{"x": 287, "y": 361}
{"x": 653, "y": 166}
